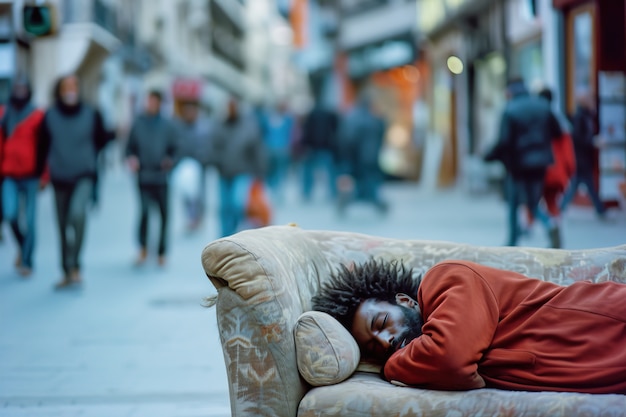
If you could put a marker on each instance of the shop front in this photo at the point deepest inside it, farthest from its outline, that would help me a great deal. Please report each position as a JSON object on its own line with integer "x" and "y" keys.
{"x": 595, "y": 52}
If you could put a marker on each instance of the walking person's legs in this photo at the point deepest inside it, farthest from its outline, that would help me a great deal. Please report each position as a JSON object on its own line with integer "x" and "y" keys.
{"x": 30, "y": 188}
{"x": 309, "y": 166}
{"x": 512, "y": 190}
{"x": 569, "y": 194}
{"x": 161, "y": 197}
{"x": 10, "y": 210}
{"x": 62, "y": 195}
{"x": 227, "y": 206}
{"x": 144, "y": 217}
{"x": 589, "y": 183}
{"x": 79, "y": 204}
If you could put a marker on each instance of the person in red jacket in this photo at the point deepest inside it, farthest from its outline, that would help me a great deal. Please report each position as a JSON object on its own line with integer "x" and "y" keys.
{"x": 21, "y": 171}
{"x": 473, "y": 326}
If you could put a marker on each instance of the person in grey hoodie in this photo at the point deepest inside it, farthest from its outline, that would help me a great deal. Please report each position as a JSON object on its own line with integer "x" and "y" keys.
{"x": 151, "y": 152}
{"x": 71, "y": 137}
{"x": 241, "y": 158}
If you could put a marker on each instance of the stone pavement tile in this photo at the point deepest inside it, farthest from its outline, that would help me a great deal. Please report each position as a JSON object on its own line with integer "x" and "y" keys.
{"x": 159, "y": 409}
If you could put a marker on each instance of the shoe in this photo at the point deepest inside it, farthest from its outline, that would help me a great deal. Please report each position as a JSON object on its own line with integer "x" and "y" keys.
{"x": 65, "y": 282}
{"x": 555, "y": 237}
{"x": 161, "y": 260}
{"x": 18, "y": 260}
{"x": 141, "y": 259}
{"x": 382, "y": 207}
{"x": 24, "y": 271}
{"x": 75, "y": 277}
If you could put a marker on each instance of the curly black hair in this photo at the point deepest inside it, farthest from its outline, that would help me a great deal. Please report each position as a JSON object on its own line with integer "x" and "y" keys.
{"x": 347, "y": 288}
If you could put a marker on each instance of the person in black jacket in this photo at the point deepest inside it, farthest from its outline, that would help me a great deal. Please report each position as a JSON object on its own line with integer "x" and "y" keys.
{"x": 318, "y": 143}
{"x": 582, "y": 135}
{"x": 71, "y": 137}
{"x": 151, "y": 152}
{"x": 524, "y": 146}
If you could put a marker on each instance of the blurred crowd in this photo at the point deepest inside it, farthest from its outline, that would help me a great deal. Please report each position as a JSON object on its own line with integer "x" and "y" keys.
{"x": 253, "y": 149}
{"x": 547, "y": 156}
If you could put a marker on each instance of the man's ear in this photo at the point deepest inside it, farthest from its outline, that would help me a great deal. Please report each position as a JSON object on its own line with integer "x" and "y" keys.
{"x": 405, "y": 301}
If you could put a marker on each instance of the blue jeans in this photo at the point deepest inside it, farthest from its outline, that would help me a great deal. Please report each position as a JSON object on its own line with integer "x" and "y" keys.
{"x": 586, "y": 179}
{"x": 157, "y": 195}
{"x": 22, "y": 221}
{"x": 234, "y": 194}
{"x": 278, "y": 171}
{"x": 314, "y": 160}
{"x": 72, "y": 202}
{"x": 527, "y": 191}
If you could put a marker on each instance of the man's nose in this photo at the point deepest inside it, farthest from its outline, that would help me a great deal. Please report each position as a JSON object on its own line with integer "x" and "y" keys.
{"x": 385, "y": 338}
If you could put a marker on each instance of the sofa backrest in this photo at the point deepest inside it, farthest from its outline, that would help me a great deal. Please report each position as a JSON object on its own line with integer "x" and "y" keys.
{"x": 266, "y": 278}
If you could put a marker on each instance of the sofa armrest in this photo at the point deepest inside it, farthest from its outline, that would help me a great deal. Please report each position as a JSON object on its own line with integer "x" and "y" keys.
{"x": 264, "y": 282}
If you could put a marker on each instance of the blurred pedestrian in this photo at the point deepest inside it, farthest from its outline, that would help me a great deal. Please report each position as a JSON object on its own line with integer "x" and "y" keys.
{"x": 19, "y": 146}
{"x": 583, "y": 132}
{"x": 72, "y": 136}
{"x": 277, "y": 129}
{"x": 360, "y": 140}
{"x": 2, "y": 111}
{"x": 527, "y": 128}
{"x": 196, "y": 136}
{"x": 558, "y": 176}
{"x": 151, "y": 153}
{"x": 241, "y": 158}
{"x": 318, "y": 147}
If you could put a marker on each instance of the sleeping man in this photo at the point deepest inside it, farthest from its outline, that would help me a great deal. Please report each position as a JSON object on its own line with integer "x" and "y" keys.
{"x": 466, "y": 326}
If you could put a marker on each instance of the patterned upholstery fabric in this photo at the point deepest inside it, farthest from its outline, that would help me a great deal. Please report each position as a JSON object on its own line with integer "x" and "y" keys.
{"x": 326, "y": 352}
{"x": 266, "y": 278}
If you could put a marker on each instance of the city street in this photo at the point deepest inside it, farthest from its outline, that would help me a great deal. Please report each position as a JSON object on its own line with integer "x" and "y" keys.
{"x": 138, "y": 342}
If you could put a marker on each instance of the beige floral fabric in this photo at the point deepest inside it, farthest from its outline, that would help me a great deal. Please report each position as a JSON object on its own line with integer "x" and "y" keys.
{"x": 325, "y": 351}
{"x": 266, "y": 278}
{"x": 368, "y": 395}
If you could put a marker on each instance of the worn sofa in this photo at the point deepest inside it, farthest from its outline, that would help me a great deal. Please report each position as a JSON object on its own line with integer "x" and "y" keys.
{"x": 265, "y": 279}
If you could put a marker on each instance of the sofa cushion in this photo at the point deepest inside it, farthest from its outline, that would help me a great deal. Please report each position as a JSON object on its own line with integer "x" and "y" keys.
{"x": 326, "y": 353}
{"x": 368, "y": 395}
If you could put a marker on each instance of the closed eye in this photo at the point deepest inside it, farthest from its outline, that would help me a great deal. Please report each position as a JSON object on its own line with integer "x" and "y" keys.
{"x": 384, "y": 321}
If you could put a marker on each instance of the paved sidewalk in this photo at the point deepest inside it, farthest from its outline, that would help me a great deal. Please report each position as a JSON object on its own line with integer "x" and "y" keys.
{"x": 136, "y": 342}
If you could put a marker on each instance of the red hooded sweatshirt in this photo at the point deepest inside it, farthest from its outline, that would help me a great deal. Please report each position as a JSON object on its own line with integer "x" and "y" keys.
{"x": 485, "y": 327}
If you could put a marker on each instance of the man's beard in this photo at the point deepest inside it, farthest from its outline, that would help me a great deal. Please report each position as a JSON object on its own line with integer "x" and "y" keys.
{"x": 413, "y": 323}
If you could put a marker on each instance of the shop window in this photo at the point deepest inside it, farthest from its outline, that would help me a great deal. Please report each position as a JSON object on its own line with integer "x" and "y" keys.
{"x": 581, "y": 53}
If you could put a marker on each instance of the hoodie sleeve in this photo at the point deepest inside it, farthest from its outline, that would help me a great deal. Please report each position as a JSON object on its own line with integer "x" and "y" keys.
{"x": 44, "y": 139}
{"x": 101, "y": 134}
{"x": 132, "y": 146}
{"x": 460, "y": 318}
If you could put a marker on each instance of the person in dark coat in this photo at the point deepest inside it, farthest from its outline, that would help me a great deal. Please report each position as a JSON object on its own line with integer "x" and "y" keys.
{"x": 583, "y": 132}
{"x": 527, "y": 128}
{"x": 23, "y": 176}
{"x": 360, "y": 140}
{"x": 151, "y": 153}
{"x": 71, "y": 137}
{"x": 319, "y": 149}
{"x": 241, "y": 159}
{"x": 195, "y": 146}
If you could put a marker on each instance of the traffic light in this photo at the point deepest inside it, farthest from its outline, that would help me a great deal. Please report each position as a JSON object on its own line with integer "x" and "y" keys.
{"x": 39, "y": 20}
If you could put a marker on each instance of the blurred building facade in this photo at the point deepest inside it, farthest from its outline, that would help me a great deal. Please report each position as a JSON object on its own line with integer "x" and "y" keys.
{"x": 83, "y": 34}
{"x": 471, "y": 47}
{"x": 203, "y": 50}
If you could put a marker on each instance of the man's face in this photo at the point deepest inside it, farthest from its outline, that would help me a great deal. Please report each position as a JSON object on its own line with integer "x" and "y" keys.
{"x": 381, "y": 328}
{"x": 69, "y": 91}
{"x": 153, "y": 104}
